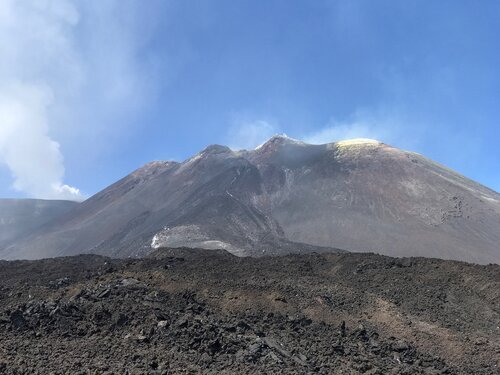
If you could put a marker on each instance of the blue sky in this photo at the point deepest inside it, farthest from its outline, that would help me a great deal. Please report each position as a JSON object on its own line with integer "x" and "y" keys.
{"x": 90, "y": 90}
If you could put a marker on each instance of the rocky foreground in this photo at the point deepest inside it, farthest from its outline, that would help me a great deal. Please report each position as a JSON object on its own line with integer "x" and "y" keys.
{"x": 190, "y": 312}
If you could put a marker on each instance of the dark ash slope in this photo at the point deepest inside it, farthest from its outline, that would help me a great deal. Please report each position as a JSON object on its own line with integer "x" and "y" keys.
{"x": 357, "y": 195}
{"x": 20, "y": 217}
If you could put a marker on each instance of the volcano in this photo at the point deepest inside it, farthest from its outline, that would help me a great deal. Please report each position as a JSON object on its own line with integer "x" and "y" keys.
{"x": 285, "y": 196}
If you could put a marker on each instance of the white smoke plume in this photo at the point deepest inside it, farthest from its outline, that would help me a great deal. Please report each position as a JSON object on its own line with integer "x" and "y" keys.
{"x": 37, "y": 66}
{"x": 246, "y": 135}
{"x": 382, "y": 125}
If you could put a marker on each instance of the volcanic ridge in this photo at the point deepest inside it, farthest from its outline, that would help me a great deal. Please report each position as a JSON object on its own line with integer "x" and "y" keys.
{"x": 284, "y": 196}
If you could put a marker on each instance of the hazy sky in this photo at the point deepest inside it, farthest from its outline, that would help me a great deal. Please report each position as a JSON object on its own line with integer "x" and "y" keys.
{"x": 90, "y": 90}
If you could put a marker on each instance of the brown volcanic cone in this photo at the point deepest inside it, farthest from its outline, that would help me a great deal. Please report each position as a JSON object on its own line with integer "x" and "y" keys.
{"x": 286, "y": 195}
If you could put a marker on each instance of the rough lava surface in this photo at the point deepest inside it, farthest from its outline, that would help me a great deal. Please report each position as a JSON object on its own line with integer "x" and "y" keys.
{"x": 182, "y": 311}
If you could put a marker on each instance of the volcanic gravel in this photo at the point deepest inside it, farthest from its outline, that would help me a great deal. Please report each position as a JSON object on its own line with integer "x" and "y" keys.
{"x": 191, "y": 312}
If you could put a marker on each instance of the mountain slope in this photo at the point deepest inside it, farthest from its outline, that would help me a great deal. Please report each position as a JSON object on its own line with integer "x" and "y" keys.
{"x": 358, "y": 195}
{"x": 19, "y": 217}
{"x": 363, "y": 195}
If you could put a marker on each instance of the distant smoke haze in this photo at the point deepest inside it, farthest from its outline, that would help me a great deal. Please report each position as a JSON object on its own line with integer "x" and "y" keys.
{"x": 36, "y": 54}
{"x": 70, "y": 75}
{"x": 246, "y": 135}
{"x": 26, "y": 149}
{"x": 361, "y": 124}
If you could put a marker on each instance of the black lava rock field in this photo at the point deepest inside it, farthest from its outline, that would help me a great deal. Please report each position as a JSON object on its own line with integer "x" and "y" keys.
{"x": 208, "y": 312}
